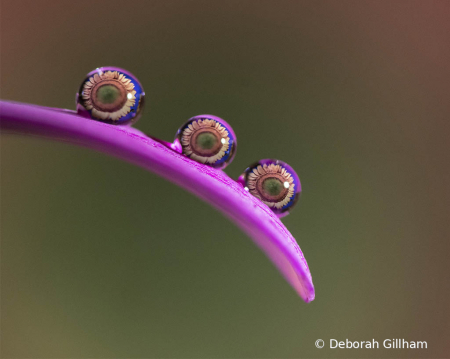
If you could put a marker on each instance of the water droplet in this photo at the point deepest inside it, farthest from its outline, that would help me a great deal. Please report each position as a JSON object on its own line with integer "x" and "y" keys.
{"x": 208, "y": 139}
{"x": 111, "y": 95}
{"x": 275, "y": 183}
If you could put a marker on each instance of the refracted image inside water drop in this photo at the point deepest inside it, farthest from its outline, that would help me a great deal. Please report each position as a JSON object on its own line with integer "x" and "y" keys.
{"x": 275, "y": 183}
{"x": 111, "y": 95}
{"x": 208, "y": 139}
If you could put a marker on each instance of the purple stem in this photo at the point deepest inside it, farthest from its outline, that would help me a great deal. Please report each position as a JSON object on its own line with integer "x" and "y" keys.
{"x": 213, "y": 186}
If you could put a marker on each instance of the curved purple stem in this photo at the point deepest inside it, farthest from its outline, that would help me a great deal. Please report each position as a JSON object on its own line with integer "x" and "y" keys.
{"x": 213, "y": 186}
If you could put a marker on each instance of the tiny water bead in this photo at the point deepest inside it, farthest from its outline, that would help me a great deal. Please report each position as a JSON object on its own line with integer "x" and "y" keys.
{"x": 111, "y": 95}
{"x": 274, "y": 182}
{"x": 207, "y": 139}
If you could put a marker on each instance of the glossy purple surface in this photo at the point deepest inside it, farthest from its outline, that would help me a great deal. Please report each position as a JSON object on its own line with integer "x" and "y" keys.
{"x": 213, "y": 186}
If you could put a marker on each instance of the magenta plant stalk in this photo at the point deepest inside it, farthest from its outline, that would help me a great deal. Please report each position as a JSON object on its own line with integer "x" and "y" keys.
{"x": 211, "y": 185}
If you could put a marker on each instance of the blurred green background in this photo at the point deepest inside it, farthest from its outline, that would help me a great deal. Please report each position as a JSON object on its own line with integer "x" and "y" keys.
{"x": 102, "y": 259}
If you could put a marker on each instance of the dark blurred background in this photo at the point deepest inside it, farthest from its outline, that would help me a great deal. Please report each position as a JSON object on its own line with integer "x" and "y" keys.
{"x": 102, "y": 259}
